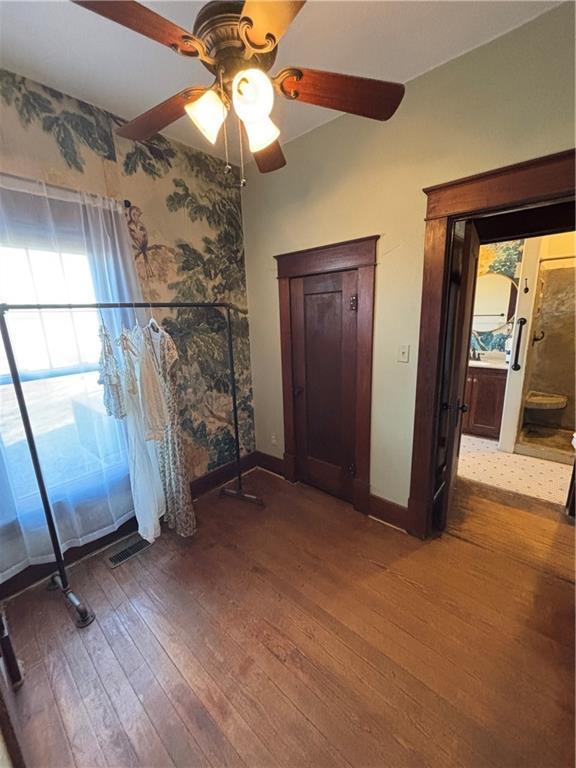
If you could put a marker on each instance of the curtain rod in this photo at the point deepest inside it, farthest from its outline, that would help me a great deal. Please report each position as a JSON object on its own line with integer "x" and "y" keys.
{"x": 126, "y": 203}
{"x": 124, "y": 305}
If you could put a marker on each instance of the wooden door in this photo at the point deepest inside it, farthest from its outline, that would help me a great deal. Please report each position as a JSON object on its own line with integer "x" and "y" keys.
{"x": 324, "y": 342}
{"x": 463, "y": 265}
{"x": 485, "y": 402}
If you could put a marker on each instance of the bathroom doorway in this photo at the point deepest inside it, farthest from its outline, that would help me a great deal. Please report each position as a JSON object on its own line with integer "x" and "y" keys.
{"x": 519, "y": 402}
{"x": 547, "y": 422}
{"x": 526, "y": 200}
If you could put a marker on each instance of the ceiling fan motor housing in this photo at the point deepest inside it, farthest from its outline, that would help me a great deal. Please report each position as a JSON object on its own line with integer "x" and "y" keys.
{"x": 217, "y": 26}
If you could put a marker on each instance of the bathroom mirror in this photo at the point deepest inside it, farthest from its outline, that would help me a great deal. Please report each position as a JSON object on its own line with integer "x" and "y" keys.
{"x": 494, "y": 302}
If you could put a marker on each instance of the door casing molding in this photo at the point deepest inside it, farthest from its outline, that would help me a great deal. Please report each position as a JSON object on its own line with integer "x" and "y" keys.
{"x": 523, "y": 185}
{"x": 359, "y": 255}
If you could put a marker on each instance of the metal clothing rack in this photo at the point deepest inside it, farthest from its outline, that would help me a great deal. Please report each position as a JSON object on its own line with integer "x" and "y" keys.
{"x": 60, "y": 580}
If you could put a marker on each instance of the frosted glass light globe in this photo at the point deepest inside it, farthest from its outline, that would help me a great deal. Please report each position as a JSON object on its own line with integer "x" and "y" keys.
{"x": 207, "y": 113}
{"x": 252, "y": 95}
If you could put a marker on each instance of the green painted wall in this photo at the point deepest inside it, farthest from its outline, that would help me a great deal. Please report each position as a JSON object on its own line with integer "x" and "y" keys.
{"x": 506, "y": 102}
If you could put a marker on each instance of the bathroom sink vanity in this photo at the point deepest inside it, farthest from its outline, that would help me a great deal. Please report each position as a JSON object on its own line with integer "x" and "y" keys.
{"x": 485, "y": 387}
{"x": 492, "y": 322}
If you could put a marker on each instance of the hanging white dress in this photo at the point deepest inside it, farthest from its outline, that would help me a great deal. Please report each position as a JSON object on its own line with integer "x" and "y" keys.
{"x": 145, "y": 480}
{"x": 159, "y": 357}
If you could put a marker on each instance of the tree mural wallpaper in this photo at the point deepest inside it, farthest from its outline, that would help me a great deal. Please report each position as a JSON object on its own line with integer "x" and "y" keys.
{"x": 185, "y": 223}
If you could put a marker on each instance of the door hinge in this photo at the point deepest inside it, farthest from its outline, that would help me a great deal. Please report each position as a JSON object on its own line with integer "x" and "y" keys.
{"x": 354, "y": 303}
{"x": 351, "y": 469}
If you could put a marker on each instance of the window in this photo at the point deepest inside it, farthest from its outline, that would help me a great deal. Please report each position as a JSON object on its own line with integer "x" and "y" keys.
{"x": 60, "y": 247}
{"x": 57, "y": 354}
{"x": 48, "y": 341}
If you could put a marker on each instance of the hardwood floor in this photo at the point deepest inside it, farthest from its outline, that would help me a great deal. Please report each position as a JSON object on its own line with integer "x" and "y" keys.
{"x": 305, "y": 634}
{"x": 533, "y": 532}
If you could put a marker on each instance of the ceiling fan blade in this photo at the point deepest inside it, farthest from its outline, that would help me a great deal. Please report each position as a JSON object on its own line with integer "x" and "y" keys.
{"x": 362, "y": 96}
{"x": 270, "y": 159}
{"x": 146, "y": 22}
{"x": 268, "y": 21}
{"x": 152, "y": 121}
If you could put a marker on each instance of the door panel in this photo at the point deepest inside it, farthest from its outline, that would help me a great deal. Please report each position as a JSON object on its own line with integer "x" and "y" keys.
{"x": 486, "y": 403}
{"x": 463, "y": 264}
{"x": 514, "y": 397}
{"x": 323, "y": 357}
{"x": 324, "y": 369}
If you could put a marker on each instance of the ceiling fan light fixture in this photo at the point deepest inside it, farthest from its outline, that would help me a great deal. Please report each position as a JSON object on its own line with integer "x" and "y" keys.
{"x": 252, "y": 95}
{"x": 261, "y": 133}
{"x": 253, "y": 99}
{"x": 207, "y": 113}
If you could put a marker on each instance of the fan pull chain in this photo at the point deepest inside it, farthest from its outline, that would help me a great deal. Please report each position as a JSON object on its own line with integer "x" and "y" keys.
{"x": 242, "y": 177}
{"x": 227, "y": 167}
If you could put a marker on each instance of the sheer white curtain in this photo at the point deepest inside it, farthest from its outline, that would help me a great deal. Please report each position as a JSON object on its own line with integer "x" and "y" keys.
{"x": 59, "y": 246}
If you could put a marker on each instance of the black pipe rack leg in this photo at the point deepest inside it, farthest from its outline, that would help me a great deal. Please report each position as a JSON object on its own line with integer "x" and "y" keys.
{"x": 7, "y": 653}
{"x": 239, "y": 494}
{"x": 84, "y": 615}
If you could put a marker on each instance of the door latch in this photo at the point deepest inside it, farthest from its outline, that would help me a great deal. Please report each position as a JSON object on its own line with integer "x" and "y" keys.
{"x": 462, "y": 407}
{"x": 351, "y": 469}
{"x": 354, "y": 303}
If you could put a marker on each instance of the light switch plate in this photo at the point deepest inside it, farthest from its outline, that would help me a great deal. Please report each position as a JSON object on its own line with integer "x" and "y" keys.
{"x": 403, "y": 355}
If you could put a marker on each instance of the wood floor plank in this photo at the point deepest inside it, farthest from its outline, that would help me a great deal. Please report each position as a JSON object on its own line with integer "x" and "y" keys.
{"x": 178, "y": 741}
{"x": 439, "y": 628}
{"x": 259, "y": 700}
{"x": 521, "y": 535}
{"x": 138, "y": 726}
{"x": 77, "y": 723}
{"x": 299, "y": 681}
{"x": 400, "y": 630}
{"x": 432, "y": 567}
{"x": 191, "y": 710}
{"x": 292, "y": 571}
{"x": 155, "y": 636}
{"x": 44, "y": 738}
{"x": 114, "y": 742}
{"x": 277, "y": 650}
{"x": 376, "y": 666}
{"x": 305, "y": 635}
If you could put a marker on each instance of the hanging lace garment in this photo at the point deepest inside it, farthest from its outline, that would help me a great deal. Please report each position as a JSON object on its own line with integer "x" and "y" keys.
{"x": 145, "y": 480}
{"x": 180, "y": 513}
{"x": 110, "y": 376}
{"x": 152, "y": 394}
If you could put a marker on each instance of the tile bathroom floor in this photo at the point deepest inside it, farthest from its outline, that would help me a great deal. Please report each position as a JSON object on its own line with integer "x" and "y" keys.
{"x": 480, "y": 460}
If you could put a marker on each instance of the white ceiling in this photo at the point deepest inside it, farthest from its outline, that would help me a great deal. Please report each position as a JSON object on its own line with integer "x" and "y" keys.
{"x": 73, "y": 50}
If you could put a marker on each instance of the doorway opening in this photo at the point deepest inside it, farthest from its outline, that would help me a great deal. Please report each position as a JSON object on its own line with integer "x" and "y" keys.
{"x": 522, "y": 201}
{"x": 519, "y": 419}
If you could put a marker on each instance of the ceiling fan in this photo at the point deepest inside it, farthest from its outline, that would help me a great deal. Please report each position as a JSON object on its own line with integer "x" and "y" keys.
{"x": 237, "y": 41}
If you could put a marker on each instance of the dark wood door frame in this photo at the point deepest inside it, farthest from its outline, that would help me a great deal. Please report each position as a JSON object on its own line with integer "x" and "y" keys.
{"x": 353, "y": 254}
{"x": 523, "y": 185}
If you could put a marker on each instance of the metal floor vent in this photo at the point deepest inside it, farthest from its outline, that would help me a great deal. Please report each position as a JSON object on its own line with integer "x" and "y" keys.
{"x": 125, "y": 554}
